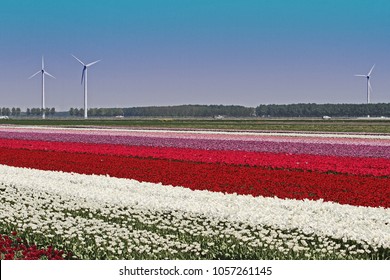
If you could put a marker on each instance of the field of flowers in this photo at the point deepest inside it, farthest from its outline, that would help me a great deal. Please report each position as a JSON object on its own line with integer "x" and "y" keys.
{"x": 85, "y": 193}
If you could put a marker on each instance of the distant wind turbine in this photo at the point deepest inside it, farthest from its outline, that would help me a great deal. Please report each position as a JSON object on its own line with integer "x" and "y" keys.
{"x": 43, "y": 85}
{"x": 369, "y": 88}
{"x": 84, "y": 79}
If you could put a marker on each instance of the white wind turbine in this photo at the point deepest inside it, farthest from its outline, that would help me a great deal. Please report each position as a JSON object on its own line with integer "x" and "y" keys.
{"x": 369, "y": 88}
{"x": 84, "y": 79}
{"x": 43, "y": 86}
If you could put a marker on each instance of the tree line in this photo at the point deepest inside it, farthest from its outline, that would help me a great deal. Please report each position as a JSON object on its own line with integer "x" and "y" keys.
{"x": 96, "y": 112}
{"x": 190, "y": 111}
{"x": 320, "y": 110}
{"x": 169, "y": 111}
{"x": 29, "y": 112}
{"x": 10, "y": 112}
{"x": 39, "y": 111}
{"x": 273, "y": 110}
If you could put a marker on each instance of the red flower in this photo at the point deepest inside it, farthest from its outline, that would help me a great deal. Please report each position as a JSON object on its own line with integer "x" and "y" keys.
{"x": 9, "y": 256}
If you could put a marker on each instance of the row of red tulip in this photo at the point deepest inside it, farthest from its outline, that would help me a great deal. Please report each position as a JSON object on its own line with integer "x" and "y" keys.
{"x": 321, "y": 163}
{"x": 221, "y": 177}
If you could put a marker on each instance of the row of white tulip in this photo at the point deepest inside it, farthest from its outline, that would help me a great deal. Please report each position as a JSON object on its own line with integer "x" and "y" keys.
{"x": 106, "y": 217}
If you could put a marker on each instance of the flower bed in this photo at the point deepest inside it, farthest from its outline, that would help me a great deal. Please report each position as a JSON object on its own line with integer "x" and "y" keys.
{"x": 104, "y": 217}
{"x": 116, "y": 194}
{"x": 348, "y": 165}
{"x": 256, "y": 181}
{"x": 303, "y": 144}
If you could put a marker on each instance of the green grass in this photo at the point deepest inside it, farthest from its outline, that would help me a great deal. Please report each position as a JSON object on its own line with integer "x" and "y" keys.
{"x": 311, "y": 125}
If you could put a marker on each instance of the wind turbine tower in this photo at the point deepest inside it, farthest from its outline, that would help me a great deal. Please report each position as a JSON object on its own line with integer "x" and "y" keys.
{"x": 84, "y": 80}
{"x": 43, "y": 71}
{"x": 369, "y": 88}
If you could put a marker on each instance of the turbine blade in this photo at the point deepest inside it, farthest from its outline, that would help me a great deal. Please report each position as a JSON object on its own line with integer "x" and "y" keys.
{"x": 82, "y": 63}
{"x": 369, "y": 73}
{"x": 92, "y": 63}
{"x": 82, "y": 76}
{"x": 361, "y": 76}
{"x": 49, "y": 74}
{"x": 35, "y": 74}
{"x": 369, "y": 86}
{"x": 43, "y": 63}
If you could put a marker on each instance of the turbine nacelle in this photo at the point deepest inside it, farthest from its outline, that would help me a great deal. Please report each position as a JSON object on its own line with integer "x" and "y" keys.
{"x": 85, "y": 66}
{"x": 42, "y": 71}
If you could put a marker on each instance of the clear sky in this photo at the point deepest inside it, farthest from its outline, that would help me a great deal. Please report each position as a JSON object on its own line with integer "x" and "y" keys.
{"x": 169, "y": 52}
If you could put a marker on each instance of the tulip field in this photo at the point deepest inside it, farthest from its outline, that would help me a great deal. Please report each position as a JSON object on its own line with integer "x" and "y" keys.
{"x": 120, "y": 193}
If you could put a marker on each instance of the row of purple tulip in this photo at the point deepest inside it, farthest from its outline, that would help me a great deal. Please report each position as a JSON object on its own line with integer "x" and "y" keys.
{"x": 261, "y": 144}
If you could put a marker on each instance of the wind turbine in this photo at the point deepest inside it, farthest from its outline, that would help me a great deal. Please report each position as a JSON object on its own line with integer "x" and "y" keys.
{"x": 43, "y": 85}
{"x": 369, "y": 88}
{"x": 84, "y": 79}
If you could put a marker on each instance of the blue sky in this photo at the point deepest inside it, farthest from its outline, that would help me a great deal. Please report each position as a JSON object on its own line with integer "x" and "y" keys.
{"x": 169, "y": 52}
